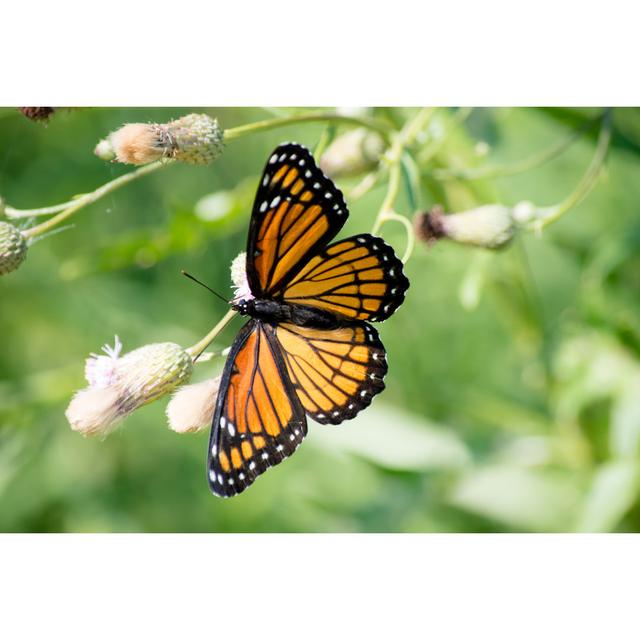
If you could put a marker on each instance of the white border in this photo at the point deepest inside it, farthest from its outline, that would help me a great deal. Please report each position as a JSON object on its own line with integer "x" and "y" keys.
{"x": 284, "y": 52}
{"x": 414, "y": 586}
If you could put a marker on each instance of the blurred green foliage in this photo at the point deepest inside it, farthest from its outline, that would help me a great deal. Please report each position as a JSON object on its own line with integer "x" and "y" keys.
{"x": 513, "y": 397}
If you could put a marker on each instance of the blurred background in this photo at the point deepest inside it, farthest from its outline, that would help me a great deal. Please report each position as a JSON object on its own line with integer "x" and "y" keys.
{"x": 513, "y": 395}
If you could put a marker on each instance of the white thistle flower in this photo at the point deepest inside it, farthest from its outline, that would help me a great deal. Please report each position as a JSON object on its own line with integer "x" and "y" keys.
{"x": 241, "y": 289}
{"x": 100, "y": 370}
{"x": 191, "y": 407}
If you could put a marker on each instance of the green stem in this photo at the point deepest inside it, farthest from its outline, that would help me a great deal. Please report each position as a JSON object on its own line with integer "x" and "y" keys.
{"x": 500, "y": 170}
{"x": 201, "y": 345}
{"x": 326, "y": 138}
{"x": 265, "y": 125}
{"x": 364, "y": 186}
{"x": 588, "y": 181}
{"x": 10, "y": 212}
{"x": 92, "y": 197}
{"x": 393, "y": 158}
{"x": 411, "y": 241}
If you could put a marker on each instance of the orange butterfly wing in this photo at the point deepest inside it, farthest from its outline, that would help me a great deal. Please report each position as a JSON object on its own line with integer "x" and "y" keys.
{"x": 335, "y": 373}
{"x": 297, "y": 211}
{"x": 258, "y": 419}
{"x": 360, "y": 278}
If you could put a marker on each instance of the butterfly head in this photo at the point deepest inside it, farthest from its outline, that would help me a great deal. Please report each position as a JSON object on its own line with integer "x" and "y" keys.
{"x": 244, "y": 307}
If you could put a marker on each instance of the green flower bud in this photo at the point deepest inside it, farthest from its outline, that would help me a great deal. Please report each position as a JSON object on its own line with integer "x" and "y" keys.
{"x": 491, "y": 226}
{"x": 352, "y": 153}
{"x": 13, "y": 248}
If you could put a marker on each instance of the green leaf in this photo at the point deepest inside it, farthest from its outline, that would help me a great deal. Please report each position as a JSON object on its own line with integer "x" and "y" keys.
{"x": 411, "y": 179}
{"x": 625, "y": 421}
{"x": 395, "y": 439}
{"x": 519, "y": 498}
{"x": 613, "y": 492}
{"x": 472, "y": 285}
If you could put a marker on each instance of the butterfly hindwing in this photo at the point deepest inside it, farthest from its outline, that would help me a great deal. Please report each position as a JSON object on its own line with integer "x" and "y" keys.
{"x": 297, "y": 212}
{"x": 258, "y": 419}
{"x": 360, "y": 278}
{"x": 335, "y": 373}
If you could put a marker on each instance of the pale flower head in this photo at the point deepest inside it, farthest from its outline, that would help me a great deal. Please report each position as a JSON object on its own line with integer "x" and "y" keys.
{"x": 241, "y": 289}
{"x": 191, "y": 407}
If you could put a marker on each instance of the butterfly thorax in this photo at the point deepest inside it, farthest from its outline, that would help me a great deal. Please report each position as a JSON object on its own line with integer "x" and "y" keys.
{"x": 298, "y": 314}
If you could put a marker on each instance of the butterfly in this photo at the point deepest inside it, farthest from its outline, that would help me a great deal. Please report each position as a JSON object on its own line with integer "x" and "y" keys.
{"x": 308, "y": 348}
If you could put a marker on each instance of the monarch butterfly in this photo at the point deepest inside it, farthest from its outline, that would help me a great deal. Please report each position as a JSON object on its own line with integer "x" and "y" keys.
{"x": 308, "y": 347}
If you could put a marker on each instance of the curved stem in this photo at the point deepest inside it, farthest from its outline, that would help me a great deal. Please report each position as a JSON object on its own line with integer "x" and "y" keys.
{"x": 265, "y": 125}
{"x": 10, "y": 212}
{"x": 588, "y": 181}
{"x": 364, "y": 186}
{"x": 89, "y": 198}
{"x": 393, "y": 158}
{"x": 411, "y": 241}
{"x": 520, "y": 166}
{"x": 201, "y": 345}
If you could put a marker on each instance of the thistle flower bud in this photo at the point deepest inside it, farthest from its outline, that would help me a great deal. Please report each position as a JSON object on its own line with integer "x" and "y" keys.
{"x": 352, "y": 153}
{"x": 13, "y": 248}
{"x": 491, "y": 226}
{"x": 191, "y": 407}
{"x": 120, "y": 385}
{"x": 152, "y": 371}
{"x": 194, "y": 139}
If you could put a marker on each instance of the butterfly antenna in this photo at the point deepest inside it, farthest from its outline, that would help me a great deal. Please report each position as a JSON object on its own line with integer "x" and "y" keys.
{"x": 184, "y": 273}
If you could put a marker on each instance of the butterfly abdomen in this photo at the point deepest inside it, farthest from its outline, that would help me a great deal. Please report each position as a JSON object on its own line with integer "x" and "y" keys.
{"x": 277, "y": 312}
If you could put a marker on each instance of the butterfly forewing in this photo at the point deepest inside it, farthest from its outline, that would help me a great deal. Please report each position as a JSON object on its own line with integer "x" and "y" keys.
{"x": 360, "y": 278}
{"x": 335, "y": 373}
{"x": 258, "y": 419}
{"x": 297, "y": 211}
